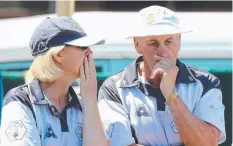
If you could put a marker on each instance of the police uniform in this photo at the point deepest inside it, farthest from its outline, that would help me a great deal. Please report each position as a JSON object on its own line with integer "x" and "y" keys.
{"x": 134, "y": 112}
{"x": 28, "y": 118}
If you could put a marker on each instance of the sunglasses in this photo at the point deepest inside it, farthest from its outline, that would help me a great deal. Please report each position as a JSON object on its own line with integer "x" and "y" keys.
{"x": 83, "y": 48}
{"x": 79, "y": 47}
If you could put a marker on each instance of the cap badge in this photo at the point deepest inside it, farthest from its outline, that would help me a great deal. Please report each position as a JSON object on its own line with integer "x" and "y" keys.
{"x": 150, "y": 18}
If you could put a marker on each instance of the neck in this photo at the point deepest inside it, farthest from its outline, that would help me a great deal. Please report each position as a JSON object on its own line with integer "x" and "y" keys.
{"x": 57, "y": 91}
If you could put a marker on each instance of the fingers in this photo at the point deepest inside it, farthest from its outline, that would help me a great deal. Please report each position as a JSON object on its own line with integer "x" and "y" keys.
{"x": 88, "y": 86}
{"x": 161, "y": 64}
{"x": 164, "y": 63}
{"x": 157, "y": 77}
{"x": 82, "y": 74}
{"x": 171, "y": 58}
{"x": 157, "y": 73}
{"x": 92, "y": 66}
{"x": 158, "y": 58}
{"x": 89, "y": 67}
{"x": 86, "y": 68}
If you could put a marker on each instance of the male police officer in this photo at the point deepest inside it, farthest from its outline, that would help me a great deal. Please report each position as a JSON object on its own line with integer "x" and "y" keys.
{"x": 158, "y": 100}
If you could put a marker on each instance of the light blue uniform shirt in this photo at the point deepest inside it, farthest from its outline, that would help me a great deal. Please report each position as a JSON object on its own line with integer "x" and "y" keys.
{"x": 134, "y": 112}
{"x": 34, "y": 121}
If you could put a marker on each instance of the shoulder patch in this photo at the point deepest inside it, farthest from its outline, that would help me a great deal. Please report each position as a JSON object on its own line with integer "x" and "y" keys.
{"x": 16, "y": 130}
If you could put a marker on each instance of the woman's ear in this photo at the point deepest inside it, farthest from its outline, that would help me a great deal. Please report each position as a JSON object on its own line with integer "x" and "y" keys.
{"x": 137, "y": 44}
{"x": 58, "y": 57}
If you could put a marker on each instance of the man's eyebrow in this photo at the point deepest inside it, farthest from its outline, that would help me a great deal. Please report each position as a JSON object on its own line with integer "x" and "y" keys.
{"x": 170, "y": 38}
{"x": 153, "y": 40}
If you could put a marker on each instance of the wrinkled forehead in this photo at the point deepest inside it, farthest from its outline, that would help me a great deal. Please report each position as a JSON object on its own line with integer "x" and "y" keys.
{"x": 160, "y": 37}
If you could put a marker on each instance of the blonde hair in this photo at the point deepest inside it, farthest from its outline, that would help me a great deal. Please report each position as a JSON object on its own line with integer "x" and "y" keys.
{"x": 44, "y": 68}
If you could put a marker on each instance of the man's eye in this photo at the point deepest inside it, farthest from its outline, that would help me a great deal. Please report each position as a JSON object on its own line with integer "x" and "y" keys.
{"x": 168, "y": 42}
{"x": 154, "y": 44}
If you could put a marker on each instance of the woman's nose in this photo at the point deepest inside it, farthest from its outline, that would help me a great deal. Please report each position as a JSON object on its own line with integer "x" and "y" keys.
{"x": 89, "y": 51}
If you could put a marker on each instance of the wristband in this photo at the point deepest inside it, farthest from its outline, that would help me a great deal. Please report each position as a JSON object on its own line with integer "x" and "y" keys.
{"x": 172, "y": 96}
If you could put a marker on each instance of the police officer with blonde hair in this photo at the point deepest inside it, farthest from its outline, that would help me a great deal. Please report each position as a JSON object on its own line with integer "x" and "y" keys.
{"x": 46, "y": 111}
{"x": 157, "y": 100}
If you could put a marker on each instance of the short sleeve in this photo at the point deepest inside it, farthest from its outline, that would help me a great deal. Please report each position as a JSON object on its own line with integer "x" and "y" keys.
{"x": 18, "y": 127}
{"x": 210, "y": 109}
{"x": 115, "y": 120}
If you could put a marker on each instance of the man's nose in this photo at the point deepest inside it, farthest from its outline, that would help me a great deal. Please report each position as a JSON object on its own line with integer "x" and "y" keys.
{"x": 163, "y": 52}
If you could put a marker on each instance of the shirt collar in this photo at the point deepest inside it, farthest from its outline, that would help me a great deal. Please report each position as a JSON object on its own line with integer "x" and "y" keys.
{"x": 37, "y": 97}
{"x": 130, "y": 75}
